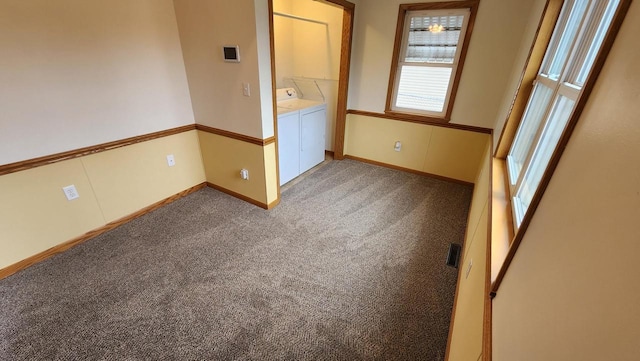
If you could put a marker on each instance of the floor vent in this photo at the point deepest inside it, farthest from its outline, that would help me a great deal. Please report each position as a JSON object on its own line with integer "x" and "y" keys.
{"x": 453, "y": 258}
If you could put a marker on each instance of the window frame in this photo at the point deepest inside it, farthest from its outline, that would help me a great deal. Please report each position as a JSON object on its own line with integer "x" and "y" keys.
{"x": 513, "y": 119}
{"x": 562, "y": 85}
{"x": 457, "y": 66}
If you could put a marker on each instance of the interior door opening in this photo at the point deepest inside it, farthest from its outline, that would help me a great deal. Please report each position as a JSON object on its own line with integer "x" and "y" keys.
{"x": 311, "y": 47}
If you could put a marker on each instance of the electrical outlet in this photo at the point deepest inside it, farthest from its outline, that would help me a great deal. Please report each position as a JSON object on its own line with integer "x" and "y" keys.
{"x": 71, "y": 192}
{"x": 468, "y": 269}
{"x": 397, "y": 146}
{"x": 244, "y": 174}
{"x": 171, "y": 161}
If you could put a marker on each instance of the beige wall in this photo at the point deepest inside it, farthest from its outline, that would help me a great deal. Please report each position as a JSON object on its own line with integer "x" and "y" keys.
{"x": 216, "y": 86}
{"x": 441, "y": 151}
{"x": 492, "y": 53}
{"x": 572, "y": 290}
{"x": 224, "y": 158}
{"x": 528, "y": 34}
{"x": 314, "y": 49}
{"x": 35, "y": 215}
{"x": 77, "y": 73}
{"x": 466, "y": 333}
{"x": 217, "y": 94}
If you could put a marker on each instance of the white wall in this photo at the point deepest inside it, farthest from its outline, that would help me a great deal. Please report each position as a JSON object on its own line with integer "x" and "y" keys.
{"x": 572, "y": 290}
{"x": 77, "y": 73}
{"x": 493, "y": 49}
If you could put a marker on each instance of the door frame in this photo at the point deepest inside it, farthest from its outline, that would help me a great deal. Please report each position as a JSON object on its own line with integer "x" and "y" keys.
{"x": 343, "y": 77}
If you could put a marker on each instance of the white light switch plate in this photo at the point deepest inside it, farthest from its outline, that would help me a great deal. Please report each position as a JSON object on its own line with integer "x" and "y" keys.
{"x": 71, "y": 192}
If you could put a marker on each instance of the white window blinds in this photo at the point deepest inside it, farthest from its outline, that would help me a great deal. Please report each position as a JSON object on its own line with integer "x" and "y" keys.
{"x": 428, "y": 59}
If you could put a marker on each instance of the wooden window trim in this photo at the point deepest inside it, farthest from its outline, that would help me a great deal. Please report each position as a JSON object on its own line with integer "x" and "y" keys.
{"x": 472, "y": 5}
{"x": 564, "y": 139}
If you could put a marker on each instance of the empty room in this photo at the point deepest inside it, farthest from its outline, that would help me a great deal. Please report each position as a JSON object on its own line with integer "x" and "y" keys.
{"x": 319, "y": 180}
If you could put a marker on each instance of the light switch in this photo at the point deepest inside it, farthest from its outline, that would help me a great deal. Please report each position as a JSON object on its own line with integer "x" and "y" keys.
{"x": 246, "y": 89}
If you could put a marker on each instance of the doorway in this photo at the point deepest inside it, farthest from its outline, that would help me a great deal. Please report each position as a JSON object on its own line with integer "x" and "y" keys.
{"x": 324, "y": 57}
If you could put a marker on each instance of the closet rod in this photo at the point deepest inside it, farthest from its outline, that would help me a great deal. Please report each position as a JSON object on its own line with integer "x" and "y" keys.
{"x": 300, "y": 18}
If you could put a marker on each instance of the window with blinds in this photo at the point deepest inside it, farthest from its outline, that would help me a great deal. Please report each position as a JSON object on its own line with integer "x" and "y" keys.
{"x": 428, "y": 57}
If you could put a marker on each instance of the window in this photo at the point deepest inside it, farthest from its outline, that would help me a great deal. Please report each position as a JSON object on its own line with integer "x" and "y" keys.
{"x": 566, "y": 67}
{"x": 431, "y": 41}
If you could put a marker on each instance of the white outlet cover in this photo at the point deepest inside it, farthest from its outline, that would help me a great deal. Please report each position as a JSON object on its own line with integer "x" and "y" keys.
{"x": 171, "y": 160}
{"x": 71, "y": 192}
{"x": 469, "y": 269}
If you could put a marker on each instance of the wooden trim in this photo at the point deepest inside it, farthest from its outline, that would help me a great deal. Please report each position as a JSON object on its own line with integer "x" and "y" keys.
{"x": 342, "y": 3}
{"x": 16, "y": 267}
{"x": 236, "y": 136}
{"x": 548, "y": 21}
{"x": 564, "y": 140}
{"x": 408, "y": 118}
{"x": 409, "y": 170}
{"x": 397, "y": 44}
{"x": 343, "y": 77}
{"x": 243, "y": 197}
{"x": 273, "y": 204}
{"x": 472, "y": 5}
{"x": 487, "y": 313}
{"x": 59, "y": 157}
{"x": 272, "y": 49}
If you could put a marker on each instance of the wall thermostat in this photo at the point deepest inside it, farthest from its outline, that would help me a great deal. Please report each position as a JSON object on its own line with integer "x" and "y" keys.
{"x": 231, "y": 53}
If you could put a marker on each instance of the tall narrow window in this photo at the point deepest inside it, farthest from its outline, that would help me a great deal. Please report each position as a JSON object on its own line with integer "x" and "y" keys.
{"x": 431, "y": 41}
{"x": 568, "y": 61}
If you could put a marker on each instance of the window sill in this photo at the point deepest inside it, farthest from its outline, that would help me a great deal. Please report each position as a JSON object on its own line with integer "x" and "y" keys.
{"x": 417, "y": 118}
{"x": 502, "y": 232}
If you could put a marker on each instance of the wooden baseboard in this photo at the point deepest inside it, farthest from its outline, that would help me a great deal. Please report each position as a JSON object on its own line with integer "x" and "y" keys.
{"x": 243, "y": 197}
{"x": 8, "y": 271}
{"x": 409, "y": 170}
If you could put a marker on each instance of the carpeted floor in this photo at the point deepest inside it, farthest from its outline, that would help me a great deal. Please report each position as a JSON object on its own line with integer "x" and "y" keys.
{"x": 350, "y": 266}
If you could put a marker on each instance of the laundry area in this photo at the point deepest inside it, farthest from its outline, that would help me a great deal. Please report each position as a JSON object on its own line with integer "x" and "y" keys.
{"x": 307, "y": 40}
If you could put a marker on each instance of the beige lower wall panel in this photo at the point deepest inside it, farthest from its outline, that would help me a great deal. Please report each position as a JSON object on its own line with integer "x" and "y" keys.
{"x": 446, "y": 152}
{"x": 128, "y": 179}
{"x": 271, "y": 172}
{"x": 455, "y": 153}
{"x": 374, "y": 139}
{"x": 466, "y": 337}
{"x": 35, "y": 215}
{"x": 480, "y": 195}
{"x": 223, "y": 159}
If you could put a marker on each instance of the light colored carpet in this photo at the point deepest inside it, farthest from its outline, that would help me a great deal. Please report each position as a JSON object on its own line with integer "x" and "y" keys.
{"x": 350, "y": 266}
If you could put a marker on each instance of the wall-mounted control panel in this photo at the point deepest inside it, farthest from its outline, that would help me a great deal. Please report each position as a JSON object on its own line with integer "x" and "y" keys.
{"x": 231, "y": 53}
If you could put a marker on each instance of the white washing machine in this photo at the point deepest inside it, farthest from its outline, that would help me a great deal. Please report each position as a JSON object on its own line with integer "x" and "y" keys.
{"x": 301, "y": 133}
